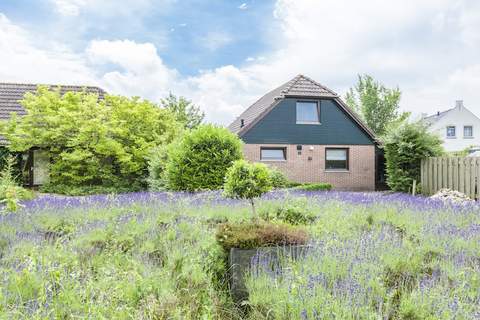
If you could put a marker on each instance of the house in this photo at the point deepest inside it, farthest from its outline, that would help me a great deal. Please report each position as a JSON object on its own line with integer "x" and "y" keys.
{"x": 458, "y": 127}
{"x": 306, "y": 131}
{"x": 34, "y": 163}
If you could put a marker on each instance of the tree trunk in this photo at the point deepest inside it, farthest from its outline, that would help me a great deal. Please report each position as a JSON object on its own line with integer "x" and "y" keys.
{"x": 255, "y": 218}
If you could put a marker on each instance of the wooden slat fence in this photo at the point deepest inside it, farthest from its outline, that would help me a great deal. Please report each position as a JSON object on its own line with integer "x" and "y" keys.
{"x": 456, "y": 173}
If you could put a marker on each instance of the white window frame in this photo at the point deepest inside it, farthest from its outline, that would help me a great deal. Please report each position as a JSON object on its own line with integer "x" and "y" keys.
{"x": 454, "y": 132}
{"x": 468, "y": 137}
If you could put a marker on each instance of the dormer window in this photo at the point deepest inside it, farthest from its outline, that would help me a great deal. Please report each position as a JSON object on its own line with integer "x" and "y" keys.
{"x": 468, "y": 132}
{"x": 308, "y": 112}
{"x": 451, "y": 132}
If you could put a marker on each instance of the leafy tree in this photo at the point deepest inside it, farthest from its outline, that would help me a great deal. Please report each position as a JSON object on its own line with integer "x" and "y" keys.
{"x": 200, "y": 159}
{"x": 405, "y": 147}
{"x": 92, "y": 142}
{"x": 184, "y": 110}
{"x": 375, "y": 104}
{"x": 247, "y": 181}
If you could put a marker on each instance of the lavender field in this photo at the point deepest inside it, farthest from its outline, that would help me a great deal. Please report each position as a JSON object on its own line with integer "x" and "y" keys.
{"x": 155, "y": 256}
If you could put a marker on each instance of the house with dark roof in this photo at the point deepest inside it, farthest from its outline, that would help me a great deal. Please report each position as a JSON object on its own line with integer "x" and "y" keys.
{"x": 458, "y": 127}
{"x": 305, "y": 130}
{"x": 34, "y": 162}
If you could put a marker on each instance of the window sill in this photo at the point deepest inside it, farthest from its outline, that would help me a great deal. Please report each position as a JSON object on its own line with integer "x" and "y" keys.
{"x": 312, "y": 123}
{"x": 266, "y": 160}
{"x": 468, "y": 137}
{"x": 451, "y": 137}
{"x": 337, "y": 170}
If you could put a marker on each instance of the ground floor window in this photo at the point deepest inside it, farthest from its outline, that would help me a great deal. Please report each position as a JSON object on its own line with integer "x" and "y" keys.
{"x": 336, "y": 159}
{"x": 273, "y": 154}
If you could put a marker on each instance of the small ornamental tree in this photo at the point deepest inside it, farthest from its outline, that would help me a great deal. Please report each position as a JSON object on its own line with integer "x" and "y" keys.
{"x": 200, "y": 159}
{"x": 247, "y": 181}
{"x": 405, "y": 146}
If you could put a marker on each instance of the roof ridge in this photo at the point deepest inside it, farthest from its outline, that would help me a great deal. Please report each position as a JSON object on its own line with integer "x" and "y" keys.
{"x": 292, "y": 83}
{"x": 320, "y": 85}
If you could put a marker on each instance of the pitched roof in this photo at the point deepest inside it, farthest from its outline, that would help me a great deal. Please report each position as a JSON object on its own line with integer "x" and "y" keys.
{"x": 12, "y": 93}
{"x": 300, "y": 86}
{"x": 437, "y": 116}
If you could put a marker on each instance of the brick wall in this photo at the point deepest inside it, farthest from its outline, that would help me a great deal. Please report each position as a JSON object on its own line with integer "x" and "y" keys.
{"x": 309, "y": 166}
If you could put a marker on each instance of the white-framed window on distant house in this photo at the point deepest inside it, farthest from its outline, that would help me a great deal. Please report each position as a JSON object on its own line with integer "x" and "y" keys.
{"x": 468, "y": 132}
{"x": 451, "y": 132}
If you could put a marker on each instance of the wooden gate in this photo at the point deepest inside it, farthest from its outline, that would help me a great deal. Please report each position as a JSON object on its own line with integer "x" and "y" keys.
{"x": 456, "y": 173}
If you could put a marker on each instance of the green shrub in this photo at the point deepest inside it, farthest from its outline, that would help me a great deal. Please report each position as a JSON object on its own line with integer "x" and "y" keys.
{"x": 315, "y": 187}
{"x": 92, "y": 142}
{"x": 10, "y": 192}
{"x": 278, "y": 179}
{"x": 200, "y": 159}
{"x": 254, "y": 235}
{"x": 295, "y": 211}
{"x": 247, "y": 181}
{"x": 157, "y": 162}
{"x": 405, "y": 147}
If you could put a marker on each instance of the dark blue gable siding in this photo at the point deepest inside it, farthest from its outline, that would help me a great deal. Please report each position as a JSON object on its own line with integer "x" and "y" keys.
{"x": 279, "y": 126}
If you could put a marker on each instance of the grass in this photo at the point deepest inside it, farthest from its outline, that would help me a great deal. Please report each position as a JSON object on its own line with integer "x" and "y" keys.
{"x": 155, "y": 256}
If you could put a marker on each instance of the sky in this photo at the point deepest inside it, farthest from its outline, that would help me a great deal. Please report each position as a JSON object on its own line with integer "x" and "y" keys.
{"x": 223, "y": 55}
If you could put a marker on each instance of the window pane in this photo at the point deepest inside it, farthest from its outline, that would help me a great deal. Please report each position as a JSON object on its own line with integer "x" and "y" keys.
{"x": 336, "y": 159}
{"x": 307, "y": 112}
{"x": 336, "y": 154}
{"x": 272, "y": 154}
{"x": 468, "y": 131}
{"x": 450, "y": 131}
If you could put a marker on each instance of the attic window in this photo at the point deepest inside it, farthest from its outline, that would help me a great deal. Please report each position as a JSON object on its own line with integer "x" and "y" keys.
{"x": 308, "y": 112}
{"x": 242, "y": 123}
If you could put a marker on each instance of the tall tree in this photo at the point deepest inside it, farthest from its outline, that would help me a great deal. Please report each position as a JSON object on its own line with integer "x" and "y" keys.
{"x": 184, "y": 110}
{"x": 377, "y": 105}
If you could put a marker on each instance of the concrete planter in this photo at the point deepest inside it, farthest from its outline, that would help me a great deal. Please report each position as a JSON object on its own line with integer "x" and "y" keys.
{"x": 240, "y": 262}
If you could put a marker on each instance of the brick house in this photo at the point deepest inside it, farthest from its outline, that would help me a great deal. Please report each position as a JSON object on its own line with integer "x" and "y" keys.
{"x": 306, "y": 131}
{"x": 34, "y": 163}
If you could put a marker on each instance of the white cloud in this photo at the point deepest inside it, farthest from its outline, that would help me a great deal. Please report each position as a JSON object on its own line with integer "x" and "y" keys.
{"x": 24, "y": 61}
{"x": 142, "y": 73}
{"x": 215, "y": 40}
{"x": 243, "y": 6}
{"x": 69, "y": 7}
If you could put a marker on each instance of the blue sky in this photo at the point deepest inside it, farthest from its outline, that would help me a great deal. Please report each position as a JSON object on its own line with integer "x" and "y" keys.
{"x": 224, "y": 54}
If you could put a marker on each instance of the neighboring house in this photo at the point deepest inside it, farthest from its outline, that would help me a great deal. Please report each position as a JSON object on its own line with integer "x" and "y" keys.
{"x": 34, "y": 162}
{"x": 459, "y": 128}
{"x": 305, "y": 130}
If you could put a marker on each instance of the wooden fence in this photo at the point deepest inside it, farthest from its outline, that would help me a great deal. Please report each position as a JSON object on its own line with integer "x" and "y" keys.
{"x": 456, "y": 173}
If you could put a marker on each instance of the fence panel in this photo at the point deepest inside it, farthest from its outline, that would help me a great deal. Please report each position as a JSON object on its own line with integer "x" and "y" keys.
{"x": 457, "y": 173}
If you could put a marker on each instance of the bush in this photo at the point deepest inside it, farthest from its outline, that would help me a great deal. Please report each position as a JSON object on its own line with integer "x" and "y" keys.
{"x": 254, "y": 235}
{"x": 200, "y": 159}
{"x": 294, "y": 211}
{"x": 314, "y": 186}
{"x": 247, "y": 181}
{"x": 278, "y": 179}
{"x": 10, "y": 192}
{"x": 405, "y": 147}
{"x": 92, "y": 142}
{"x": 157, "y": 162}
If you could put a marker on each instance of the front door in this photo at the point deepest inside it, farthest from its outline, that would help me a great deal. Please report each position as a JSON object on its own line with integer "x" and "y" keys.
{"x": 41, "y": 162}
